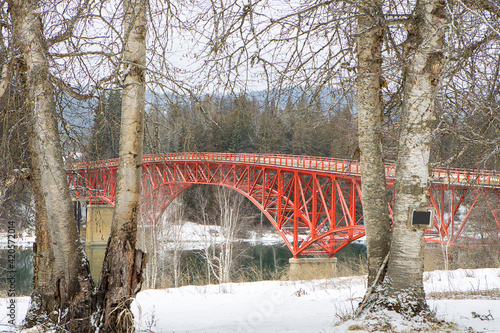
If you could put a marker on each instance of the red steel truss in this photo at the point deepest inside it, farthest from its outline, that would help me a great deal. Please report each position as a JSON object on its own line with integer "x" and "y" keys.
{"x": 314, "y": 203}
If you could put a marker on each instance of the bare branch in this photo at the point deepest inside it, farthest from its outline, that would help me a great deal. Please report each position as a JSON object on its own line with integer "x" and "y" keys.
{"x": 70, "y": 91}
{"x": 4, "y": 79}
{"x": 488, "y": 5}
{"x": 83, "y": 54}
{"x": 70, "y": 26}
{"x": 479, "y": 15}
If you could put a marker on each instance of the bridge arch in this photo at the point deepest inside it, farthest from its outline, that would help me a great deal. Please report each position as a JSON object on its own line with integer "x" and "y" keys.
{"x": 299, "y": 204}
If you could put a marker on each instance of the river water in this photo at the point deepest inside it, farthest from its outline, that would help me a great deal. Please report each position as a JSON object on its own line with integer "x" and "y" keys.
{"x": 257, "y": 262}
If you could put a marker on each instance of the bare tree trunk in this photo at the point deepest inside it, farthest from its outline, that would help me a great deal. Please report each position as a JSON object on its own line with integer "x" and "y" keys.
{"x": 423, "y": 53}
{"x": 369, "y": 105}
{"x": 123, "y": 263}
{"x": 42, "y": 296}
{"x": 4, "y": 68}
{"x": 230, "y": 210}
{"x": 68, "y": 276}
{"x": 208, "y": 238}
{"x": 175, "y": 226}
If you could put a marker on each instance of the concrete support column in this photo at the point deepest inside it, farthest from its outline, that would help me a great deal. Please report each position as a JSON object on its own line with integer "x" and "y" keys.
{"x": 312, "y": 268}
{"x": 98, "y": 224}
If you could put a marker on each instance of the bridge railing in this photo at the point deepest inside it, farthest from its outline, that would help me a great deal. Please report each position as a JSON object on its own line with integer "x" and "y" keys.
{"x": 439, "y": 175}
{"x": 306, "y": 162}
{"x": 93, "y": 164}
{"x": 466, "y": 176}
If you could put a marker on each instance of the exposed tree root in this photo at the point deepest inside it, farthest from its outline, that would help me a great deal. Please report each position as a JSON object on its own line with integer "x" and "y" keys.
{"x": 120, "y": 282}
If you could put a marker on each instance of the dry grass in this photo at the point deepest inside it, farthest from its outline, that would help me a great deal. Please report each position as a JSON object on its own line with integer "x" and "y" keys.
{"x": 473, "y": 294}
{"x": 458, "y": 257}
{"x": 434, "y": 259}
{"x": 125, "y": 318}
{"x": 356, "y": 268}
{"x": 193, "y": 274}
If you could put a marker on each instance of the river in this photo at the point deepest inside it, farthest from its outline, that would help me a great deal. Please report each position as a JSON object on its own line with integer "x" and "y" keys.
{"x": 256, "y": 262}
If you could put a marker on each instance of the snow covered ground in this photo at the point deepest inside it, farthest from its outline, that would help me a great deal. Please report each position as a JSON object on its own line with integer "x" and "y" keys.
{"x": 300, "y": 306}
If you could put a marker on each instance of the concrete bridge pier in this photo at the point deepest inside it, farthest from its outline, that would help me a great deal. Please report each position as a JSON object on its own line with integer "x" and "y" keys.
{"x": 98, "y": 224}
{"x": 312, "y": 268}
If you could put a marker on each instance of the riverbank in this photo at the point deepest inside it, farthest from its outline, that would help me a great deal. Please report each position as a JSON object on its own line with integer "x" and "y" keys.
{"x": 301, "y": 306}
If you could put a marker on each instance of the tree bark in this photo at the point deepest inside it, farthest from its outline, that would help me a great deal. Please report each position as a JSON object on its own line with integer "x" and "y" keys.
{"x": 424, "y": 61}
{"x": 369, "y": 105}
{"x": 43, "y": 301}
{"x": 67, "y": 277}
{"x": 123, "y": 263}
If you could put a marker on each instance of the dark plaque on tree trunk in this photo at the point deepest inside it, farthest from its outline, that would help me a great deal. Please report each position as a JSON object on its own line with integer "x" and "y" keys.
{"x": 421, "y": 218}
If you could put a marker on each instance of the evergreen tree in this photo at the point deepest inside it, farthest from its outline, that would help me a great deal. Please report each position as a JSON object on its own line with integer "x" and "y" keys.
{"x": 242, "y": 134}
{"x": 105, "y": 136}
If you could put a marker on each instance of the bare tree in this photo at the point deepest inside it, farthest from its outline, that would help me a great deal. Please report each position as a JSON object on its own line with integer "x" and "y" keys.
{"x": 303, "y": 49}
{"x": 230, "y": 210}
{"x": 123, "y": 264}
{"x": 423, "y": 54}
{"x": 208, "y": 237}
{"x": 63, "y": 285}
{"x": 469, "y": 95}
{"x": 162, "y": 238}
{"x": 174, "y": 234}
{"x": 221, "y": 228}
{"x": 370, "y": 116}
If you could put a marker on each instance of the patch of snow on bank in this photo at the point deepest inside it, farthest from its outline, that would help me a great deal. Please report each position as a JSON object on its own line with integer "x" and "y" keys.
{"x": 20, "y": 240}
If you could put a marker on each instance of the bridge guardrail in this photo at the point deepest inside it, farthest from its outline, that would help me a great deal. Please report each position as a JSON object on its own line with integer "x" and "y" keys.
{"x": 440, "y": 175}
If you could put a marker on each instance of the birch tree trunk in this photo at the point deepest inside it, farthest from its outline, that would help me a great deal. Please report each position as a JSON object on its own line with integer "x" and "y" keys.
{"x": 175, "y": 225}
{"x": 123, "y": 263}
{"x": 369, "y": 106}
{"x": 64, "y": 284}
{"x": 43, "y": 301}
{"x": 230, "y": 210}
{"x": 403, "y": 283}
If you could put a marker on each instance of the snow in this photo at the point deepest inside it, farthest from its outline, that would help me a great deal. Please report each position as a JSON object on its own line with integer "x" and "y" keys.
{"x": 190, "y": 235}
{"x": 194, "y": 236}
{"x": 265, "y": 238}
{"x": 459, "y": 311}
{"x": 23, "y": 240}
{"x": 302, "y": 306}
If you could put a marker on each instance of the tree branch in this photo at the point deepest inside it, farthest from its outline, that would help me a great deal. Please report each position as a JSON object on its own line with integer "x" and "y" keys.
{"x": 70, "y": 91}
{"x": 4, "y": 78}
{"x": 15, "y": 176}
{"x": 482, "y": 5}
{"x": 70, "y": 26}
{"x": 488, "y": 5}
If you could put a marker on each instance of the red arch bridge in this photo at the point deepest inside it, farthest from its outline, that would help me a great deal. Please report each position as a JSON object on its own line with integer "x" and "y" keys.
{"x": 315, "y": 203}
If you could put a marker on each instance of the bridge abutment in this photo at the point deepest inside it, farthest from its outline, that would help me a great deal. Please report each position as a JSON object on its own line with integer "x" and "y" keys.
{"x": 312, "y": 268}
{"x": 98, "y": 224}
